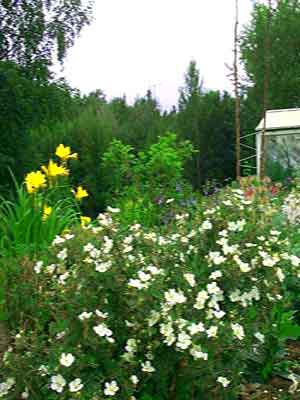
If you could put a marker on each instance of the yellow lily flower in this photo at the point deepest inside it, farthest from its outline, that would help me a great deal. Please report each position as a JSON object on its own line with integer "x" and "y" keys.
{"x": 64, "y": 153}
{"x": 54, "y": 169}
{"x": 84, "y": 220}
{"x": 81, "y": 193}
{"x": 46, "y": 212}
{"x": 34, "y": 181}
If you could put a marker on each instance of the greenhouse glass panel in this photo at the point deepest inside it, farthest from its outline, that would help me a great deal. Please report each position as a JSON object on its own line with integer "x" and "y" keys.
{"x": 282, "y": 155}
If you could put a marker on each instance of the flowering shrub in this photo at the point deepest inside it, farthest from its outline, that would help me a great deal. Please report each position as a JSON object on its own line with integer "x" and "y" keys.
{"x": 128, "y": 312}
{"x": 291, "y": 207}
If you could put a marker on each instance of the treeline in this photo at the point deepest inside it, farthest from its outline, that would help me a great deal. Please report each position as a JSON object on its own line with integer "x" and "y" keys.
{"x": 37, "y": 112}
{"x": 38, "y": 117}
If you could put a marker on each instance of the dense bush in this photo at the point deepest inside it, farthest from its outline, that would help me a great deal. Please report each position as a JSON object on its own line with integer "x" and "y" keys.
{"x": 148, "y": 186}
{"x": 172, "y": 312}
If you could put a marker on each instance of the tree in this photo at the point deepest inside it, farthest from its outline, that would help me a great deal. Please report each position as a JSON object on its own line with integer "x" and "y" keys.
{"x": 144, "y": 122}
{"x": 192, "y": 89}
{"x": 189, "y": 104}
{"x": 35, "y": 32}
{"x": 237, "y": 94}
{"x": 25, "y": 104}
{"x": 284, "y": 55}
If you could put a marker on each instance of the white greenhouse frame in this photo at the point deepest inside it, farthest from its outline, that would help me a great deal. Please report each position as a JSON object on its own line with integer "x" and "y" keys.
{"x": 278, "y": 122}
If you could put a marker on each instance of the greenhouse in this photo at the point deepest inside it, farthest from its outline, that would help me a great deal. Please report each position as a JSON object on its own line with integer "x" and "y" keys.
{"x": 282, "y": 142}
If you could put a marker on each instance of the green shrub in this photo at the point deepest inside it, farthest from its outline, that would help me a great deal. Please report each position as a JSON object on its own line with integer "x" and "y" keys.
{"x": 148, "y": 187}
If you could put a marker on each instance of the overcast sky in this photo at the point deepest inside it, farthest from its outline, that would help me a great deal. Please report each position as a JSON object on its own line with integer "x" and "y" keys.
{"x": 135, "y": 45}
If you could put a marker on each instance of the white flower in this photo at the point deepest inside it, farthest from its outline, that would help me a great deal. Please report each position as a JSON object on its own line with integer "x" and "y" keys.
{"x": 173, "y": 297}
{"x": 136, "y": 283}
{"x": 85, "y": 315}
{"x": 295, "y": 261}
{"x": 169, "y": 201}
{"x": 154, "y": 270}
{"x": 201, "y": 299}
{"x": 66, "y": 359}
{"x": 224, "y": 381}
{"x": 215, "y": 275}
{"x": 219, "y": 314}
{"x": 190, "y": 279}
{"x": 25, "y": 394}
{"x": 75, "y": 385}
{"x": 235, "y": 296}
{"x": 102, "y": 330}
{"x": 268, "y": 260}
{"x": 103, "y": 266}
{"x": 280, "y": 274}
{"x": 244, "y": 267}
{"x": 111, "y": 388}
{"x": 38, "y": 267}
{"x": 60, "y": 335}
{"x": 63, "y": 254}
{"x": 147, "y": 367}
{"x": 63, "y": 277}
{"x": 238, "y": 331}
{"x": 50, "y": 268}
{"x": 196, "y": 328}
{"x": 212, "y": 331}
{"x": 43, "y": 370}
{"x": 69, "y": 236}
{"x": 216, "y": 257}
{"x": 57, "y": 240}
{"x": 198, "y": 354}
{"x": 131, "y": 346}
{"x": 154, "y": 318}
{"x": 134, "y": 379}
{"x": 88, "y": 248}
{"x": 144, "y": 277}
{"x": 206, "y": 226}
{"x": 274, "y": 232}
{"x": 183, "y": 341}
{"x": 259, "y": 336}
{"x": 127, "y": 249}
{"x": 108, "y": 244}
{"x": 6, "y": 386}
{"x": 213, "y": 288}
{"x": 166, "y": 329}
{"x": 58, "y": 383}
{"x": 113, "y": 210}
{"x": 237, "y": 226}
{"x": 101, "y": 314}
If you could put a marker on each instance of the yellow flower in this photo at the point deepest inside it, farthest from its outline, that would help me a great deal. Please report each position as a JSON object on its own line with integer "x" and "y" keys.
{"x": 81, "y": 193}
{"x": 34, "y": 181}
{"x": 84, "y": 220}
{"x": 46, "y": 212}
{"x": 54, "y": 169}
{"x": 65, "y": 152}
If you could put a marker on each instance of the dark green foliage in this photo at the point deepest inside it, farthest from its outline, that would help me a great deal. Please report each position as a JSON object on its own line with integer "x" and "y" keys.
{"x": 25, "y": 104}
{"x": 284, "y": 52}
{"x": 33, "y": 32}
{"x": 206, "y": 118}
